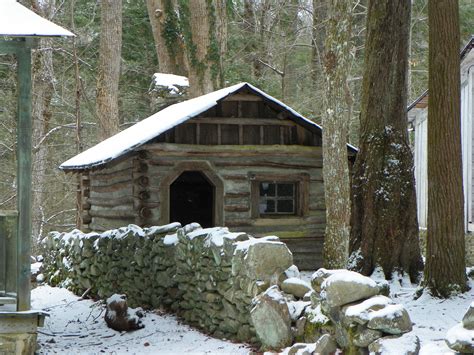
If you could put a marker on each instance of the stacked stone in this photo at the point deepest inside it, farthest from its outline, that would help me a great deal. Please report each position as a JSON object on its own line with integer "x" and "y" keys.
{"x": 208, "y": 276}
{"x": 131, "y": 260}
{"x": 209, "y": 297}
{"x": 219, "y": 273}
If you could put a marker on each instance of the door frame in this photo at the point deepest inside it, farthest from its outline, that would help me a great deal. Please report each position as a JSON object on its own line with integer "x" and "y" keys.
{"x": 205, "y": 168}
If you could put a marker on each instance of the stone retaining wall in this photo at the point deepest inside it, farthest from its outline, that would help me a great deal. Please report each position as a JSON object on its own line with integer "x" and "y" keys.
{"x": 208, "y": 276}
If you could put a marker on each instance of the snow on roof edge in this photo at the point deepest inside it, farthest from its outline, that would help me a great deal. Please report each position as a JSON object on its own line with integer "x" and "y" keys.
{"x": 17, "y": 20}
{"x": 151, "y": 127}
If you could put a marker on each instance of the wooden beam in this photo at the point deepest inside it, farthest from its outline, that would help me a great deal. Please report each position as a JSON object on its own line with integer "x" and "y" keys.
{"x": 13, "y": 46}
{"x": 243, "y": 97}
{"x": 24, "y": 129}
{"x": 232, "y": 150}
{"x": 243, "y": 121}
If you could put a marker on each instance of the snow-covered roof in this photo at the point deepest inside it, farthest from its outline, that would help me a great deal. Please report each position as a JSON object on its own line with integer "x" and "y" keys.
{"x": 18, "y": 21}
{"x": 151, "y": 127}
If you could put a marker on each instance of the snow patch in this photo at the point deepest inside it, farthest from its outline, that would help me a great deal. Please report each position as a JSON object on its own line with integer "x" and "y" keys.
{"x": 170, "y": 81}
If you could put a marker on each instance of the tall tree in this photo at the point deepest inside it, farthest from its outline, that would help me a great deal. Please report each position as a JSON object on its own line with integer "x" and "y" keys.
{"x": 109, "y": 67}
{"x": 337, "y": 60}
{"x": 445, "y": 264}
{"x": 169, "y": 44}
{"x": 204, "y": 32}
{"x": 384, "y": 227}
{"x": 43, "y": 89}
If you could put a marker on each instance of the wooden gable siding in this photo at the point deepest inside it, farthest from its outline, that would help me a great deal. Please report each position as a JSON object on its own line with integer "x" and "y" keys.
{"x": 241, "y": 122}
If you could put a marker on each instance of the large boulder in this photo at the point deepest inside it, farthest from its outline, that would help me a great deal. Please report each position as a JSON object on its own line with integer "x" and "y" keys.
{"x": 346, "y": 287}
{"x": 119, "y": 317}
{"x": 361, "y": 313}
{"x": 460, "y": 339}
{"x": 261, "y": 258}
{"x": 271, "y": 319}
{"x": 407, "y": 344}
{"x": 296, "y": 287}
{"x": 392, "y": 319}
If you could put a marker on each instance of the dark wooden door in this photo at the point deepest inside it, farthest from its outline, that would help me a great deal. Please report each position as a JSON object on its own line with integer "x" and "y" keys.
{"x": 192, "y": 199}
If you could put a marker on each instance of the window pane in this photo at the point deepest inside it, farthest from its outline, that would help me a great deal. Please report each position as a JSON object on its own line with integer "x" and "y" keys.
{"x": 267, "y": 189}
{"x": 267, "y": 206}
{"x": 285, "y": 206}
{"x": 286, "y": 190}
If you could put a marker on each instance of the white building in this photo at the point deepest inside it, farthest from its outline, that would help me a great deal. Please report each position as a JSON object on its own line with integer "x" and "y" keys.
{"x": 418, "y": 118}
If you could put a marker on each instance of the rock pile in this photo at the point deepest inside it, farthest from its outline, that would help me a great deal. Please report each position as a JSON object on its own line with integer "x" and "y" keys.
{"x": 350, "y": 311}
{"x": 460, "y": 338}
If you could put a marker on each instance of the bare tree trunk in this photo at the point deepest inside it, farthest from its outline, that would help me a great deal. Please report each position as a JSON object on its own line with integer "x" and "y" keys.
{"x": 199, "y": 24}
{"x": 317, "y": 41}
{"x": 109, "y": 67}
{"x": 167, "y": 35}
{"x": 335, "y": 133}
{"x": 384, "y": 225}
{"x": 445, "y": 271}
{"x": 43, "y": 88}
{"x": 290, "y": 28}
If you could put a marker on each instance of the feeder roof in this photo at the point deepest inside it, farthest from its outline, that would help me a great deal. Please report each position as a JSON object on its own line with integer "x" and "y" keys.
{"x": 18, "y": 21}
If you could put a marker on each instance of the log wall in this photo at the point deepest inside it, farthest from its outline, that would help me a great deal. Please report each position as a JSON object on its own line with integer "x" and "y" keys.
{"x": 135, "y": 190}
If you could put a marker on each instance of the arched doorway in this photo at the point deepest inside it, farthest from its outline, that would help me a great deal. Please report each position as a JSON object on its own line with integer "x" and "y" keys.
{"x": 192, "y": 199}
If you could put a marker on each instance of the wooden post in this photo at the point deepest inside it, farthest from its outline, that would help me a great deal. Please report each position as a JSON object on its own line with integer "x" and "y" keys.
{"x": 24, "y": 129}
{"x": 8, "y": 253}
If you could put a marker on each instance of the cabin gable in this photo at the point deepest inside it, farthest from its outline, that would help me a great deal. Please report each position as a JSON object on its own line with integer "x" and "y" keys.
{"x": 243, "y": 118}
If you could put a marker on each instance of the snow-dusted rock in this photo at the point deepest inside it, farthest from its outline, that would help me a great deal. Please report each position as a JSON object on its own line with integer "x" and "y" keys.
{"x": 325, "y": 345}
{"x": 316, "y": 324}
{"x": 119, "y": 317}
{"x": 407, "y": 344}
{"x": 392, "y": 319}
{"x": 271, "y": 319}
{"x": 320, "y": 275}
{"x": 460, "y": 339}
{"x": 364, "y": 336}
{"x": 300, "y": 349}
{"x": 296, "y": 287}
{"x": 468, "y": 319}
{"x": 262, "y": 258}
{"x": 361, "y": 313}
{"x": 346, "y": 287}
{"x": 296, "y": 309}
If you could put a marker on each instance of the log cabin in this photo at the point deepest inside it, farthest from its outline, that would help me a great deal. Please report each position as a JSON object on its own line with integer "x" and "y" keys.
{"x": 236, "y": 157}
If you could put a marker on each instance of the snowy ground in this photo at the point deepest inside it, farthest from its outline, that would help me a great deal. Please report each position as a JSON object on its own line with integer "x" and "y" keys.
{"x": 77, "y": 326}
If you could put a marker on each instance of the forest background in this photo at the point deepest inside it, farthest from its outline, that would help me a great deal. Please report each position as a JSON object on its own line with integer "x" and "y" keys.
{"x": 276, "y": 45}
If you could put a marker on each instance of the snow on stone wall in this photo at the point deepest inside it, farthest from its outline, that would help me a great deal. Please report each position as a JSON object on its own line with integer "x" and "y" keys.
{"x": 208, "y": 276}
